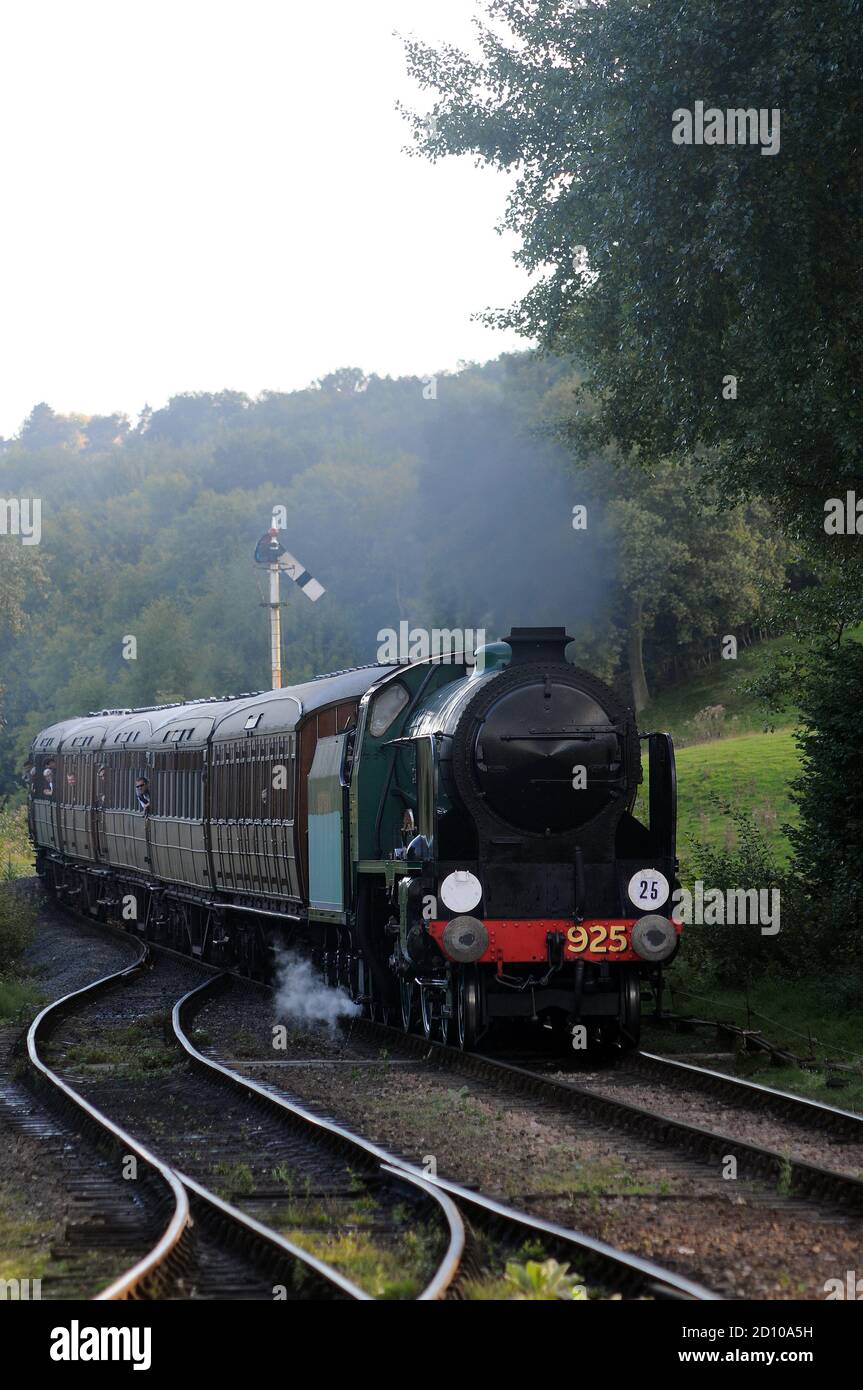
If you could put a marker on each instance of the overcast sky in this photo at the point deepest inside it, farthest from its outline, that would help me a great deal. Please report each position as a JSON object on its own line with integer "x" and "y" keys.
{"x": 201, "y": 194}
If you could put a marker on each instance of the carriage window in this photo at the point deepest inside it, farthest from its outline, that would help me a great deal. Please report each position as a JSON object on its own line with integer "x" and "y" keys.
{"x": 69, "y": 794}
{"x": 188, "y": 780}
{"x": 279, "y": 778}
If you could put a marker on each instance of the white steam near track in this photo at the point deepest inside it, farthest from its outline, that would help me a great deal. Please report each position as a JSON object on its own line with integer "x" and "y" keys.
{"x": 303, "y": 997}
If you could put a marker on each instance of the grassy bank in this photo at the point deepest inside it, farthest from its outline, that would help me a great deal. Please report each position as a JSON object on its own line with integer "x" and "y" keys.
{"x": 16, "y": 852}
{"x": 712, "y": 704}
{"x": 753, "y": 772}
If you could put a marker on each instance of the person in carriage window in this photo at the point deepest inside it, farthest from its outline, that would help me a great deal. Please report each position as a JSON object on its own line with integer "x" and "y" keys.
{"x": 142, "y": 795}
{"x": 48, "y": 779}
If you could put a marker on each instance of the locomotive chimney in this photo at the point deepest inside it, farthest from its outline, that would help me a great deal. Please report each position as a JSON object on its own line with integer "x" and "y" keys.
{"x": 537, "y": 644}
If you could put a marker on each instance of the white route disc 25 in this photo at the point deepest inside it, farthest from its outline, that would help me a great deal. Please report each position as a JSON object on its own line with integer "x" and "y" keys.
{"x": 648, "y": 889}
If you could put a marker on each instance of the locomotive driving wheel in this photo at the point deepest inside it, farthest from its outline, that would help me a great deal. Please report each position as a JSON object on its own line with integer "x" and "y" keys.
{"x": 427, "y": 1003}
{"x": 629, "y": 1015}
{"x": 446, "y": 1019}
{"x": 434, "y": 1013}
{"x": 467, "y": 1011}
{"x": 408, "y": 1002}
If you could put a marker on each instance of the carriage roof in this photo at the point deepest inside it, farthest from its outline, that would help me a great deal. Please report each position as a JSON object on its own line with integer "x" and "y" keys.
{"x": 190, "y": 724}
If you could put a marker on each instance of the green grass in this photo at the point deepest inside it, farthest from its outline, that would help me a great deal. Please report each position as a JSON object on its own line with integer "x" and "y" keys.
{"x": 538, "y": 1281}
{"x": 32, "y": 1247}
{"x": 676, "y": 710}
{"x": 25, "y": 1245}
{"x": 732, "y": 753}
{"x": 798, "y": 1015}
{"x": 16, "y": 852}
{"x": 135, "y": 1049}
{"x": 19, "y": 999}
{"x": 753, "y": 771}
{"x": 238, "y": 1179}
{"x": 17, "y": 928}
{"x": 603, "y": 1178}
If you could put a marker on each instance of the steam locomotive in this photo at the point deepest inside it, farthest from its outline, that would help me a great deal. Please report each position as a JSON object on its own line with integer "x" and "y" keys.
{"x": 454, "y": 838}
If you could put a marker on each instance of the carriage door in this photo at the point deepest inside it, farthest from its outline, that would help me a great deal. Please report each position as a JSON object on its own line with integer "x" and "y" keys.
{"x": 100, "y": 793}
{"x": 157, "y": 784}
{"x": 328, "y": 824}
{"x": 87, "y": 792}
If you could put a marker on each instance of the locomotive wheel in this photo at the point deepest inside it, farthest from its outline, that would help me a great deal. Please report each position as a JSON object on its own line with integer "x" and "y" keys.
{"x": 446, "y": 1024}
{"x": 630, "y": 1010}
{"x": 467, "y": 1012}
{"x": 427, "y": 1011}
{"x": 436, "y": 1025}
{"x": 408, "y": 1002}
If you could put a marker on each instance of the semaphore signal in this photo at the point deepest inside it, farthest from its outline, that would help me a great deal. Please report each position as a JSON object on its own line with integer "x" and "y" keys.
{"x": 270, "y": 552}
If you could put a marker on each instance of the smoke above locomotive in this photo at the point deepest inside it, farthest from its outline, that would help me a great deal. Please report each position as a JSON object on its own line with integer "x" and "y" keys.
{"x": 456, "y": 840}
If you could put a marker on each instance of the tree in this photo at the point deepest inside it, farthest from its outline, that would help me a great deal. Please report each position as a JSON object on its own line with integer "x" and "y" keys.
{"x": 193, "y": 415}
{"x": 701, "y": 263}
{"x": 712, "y": 292}
{"x": 45, "y": 429}
{"x": 829, "y": 796}
{"x": 22, "y": 578}
{"x": 164, "y": 655}
{"x": 345, "y": 381}
{"x": 104, "y": 431}
{"x": 450, "y": 513}
{"x": 20, "y": 572}
{"x": 680, "y": 565}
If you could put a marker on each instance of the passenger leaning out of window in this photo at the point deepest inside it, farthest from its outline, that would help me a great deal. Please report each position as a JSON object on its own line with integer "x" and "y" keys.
{"x": 142, "y": 795}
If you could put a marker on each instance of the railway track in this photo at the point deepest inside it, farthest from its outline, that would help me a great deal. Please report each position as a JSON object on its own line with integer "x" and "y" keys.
{"x": 827, "y": 1119}
{"x": 796, "y": 1176}
{"x": 490, "y": 1226}
{"x": 207, "y": 1246}
{"x": 611, "y": 1270}
{"x": 554, "y": 1147}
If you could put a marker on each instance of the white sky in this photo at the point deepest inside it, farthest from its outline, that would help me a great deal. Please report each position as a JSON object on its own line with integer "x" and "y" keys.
{"x": 201, "y": 194}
